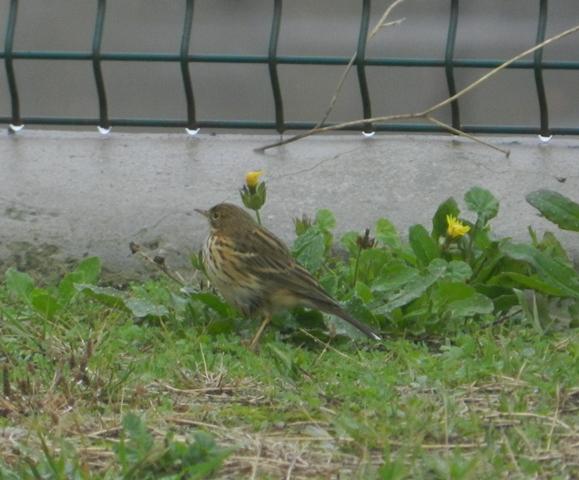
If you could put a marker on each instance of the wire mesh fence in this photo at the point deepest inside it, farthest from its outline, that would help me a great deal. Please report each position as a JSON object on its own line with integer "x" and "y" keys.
{"x": 187, "y": 61}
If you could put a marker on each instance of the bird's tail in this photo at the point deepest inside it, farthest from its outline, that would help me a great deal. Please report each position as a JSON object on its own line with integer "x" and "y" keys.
{"x": 311, "y": 294}
{"x": 340, "y": 312}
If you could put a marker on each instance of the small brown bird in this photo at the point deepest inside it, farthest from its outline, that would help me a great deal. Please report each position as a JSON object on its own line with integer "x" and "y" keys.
{"x": 255, "y": 272}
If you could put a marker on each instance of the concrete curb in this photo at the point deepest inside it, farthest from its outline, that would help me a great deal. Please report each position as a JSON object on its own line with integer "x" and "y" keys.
{"x": 67, "y": 195}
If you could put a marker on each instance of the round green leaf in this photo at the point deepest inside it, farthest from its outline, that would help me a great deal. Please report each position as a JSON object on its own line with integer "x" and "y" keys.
{"x": 483, "y": 203}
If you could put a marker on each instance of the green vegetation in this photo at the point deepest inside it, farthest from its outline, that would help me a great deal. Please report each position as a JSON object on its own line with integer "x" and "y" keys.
{"x": 478, "y": 376}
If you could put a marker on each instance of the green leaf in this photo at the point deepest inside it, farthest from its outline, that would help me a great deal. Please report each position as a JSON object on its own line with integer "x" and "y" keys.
{"x": 439, "y": 223}
{"x": 557, "y": 208}
{"x": 371, "y": 263}
{"x": 66, "y": 289}
{"x": 309, "y": 319}
{"x": 359, "y": 310}
{"x": 533, "y": 309}
{"x": 284, "y": 361}
{"x": 141, "y": 440}
{"x": 325, "y": 223}
{"x": 325, "y": 219}
{"x": 477, "y": 304}
{"x": 551, "y": 245}
{"x": 504, "y": 303}
{"x": 141, "y": 308}
{"x": 483, "y": 203}
{"x": 574, "y": 313}
{"x": 519, "y": 280}
{"x": 425, "y": 248}
{"x": 446, "y": 292}
{"x": 44, "y": 303}
{"x": 220, "y": 325}
{"x": 393, "y": 276}
{"x": 87, "y": 272}
{"x": 19, "y": 284}
{"x": 460, "y": 300}
{"x": 202, "y": 458}
{"x": 89, "y": 269}
{"x": 458, "y": 271}
{"x": 348, "y": 241}
{"x": 553, "y": 271}
{"x": 486, "y": 264}
{"x": 105, "y": 295}
{"x": 387, "y": 234}
{"x": 438, "y": 267}
{"x": 363, "y": 292}
{"x": 213, "y": 302}
{"x": 415, "y": 287}
{"x": 309, "y": 249}
{"x": 481, "y": 237}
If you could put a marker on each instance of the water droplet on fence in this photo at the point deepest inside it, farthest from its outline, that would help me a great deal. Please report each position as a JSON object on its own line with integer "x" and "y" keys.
{"x": 192, "y": 131}
{"x": 16, "y": 128}
{"x": 104, "y": 130}
{"x": 545, "y": 139}
{"x": 368, "y": 134}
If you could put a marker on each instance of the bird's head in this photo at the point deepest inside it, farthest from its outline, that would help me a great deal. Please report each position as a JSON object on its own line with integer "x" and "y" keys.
{"x": 226, "y": 216}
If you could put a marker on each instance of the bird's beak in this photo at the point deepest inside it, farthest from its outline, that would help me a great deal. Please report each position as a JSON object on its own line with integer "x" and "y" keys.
{"x": 205, "y": 213}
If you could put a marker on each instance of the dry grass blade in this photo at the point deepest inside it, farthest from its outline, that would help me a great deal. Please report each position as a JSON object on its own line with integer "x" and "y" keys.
{"x": 328, "y": 346}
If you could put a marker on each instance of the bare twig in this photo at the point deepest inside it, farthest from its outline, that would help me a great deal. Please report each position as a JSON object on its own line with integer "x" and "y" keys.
{"x": 426, "y": 113}
{"x": 460, "y": 133}
{"x": 381, "y": 24}
{"x": 159, "y": 262}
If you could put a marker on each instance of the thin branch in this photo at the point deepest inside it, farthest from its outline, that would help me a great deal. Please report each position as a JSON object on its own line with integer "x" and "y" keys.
{"x": 460, "y": 133}
{"x": 337, "y": 91}
{"x": 424, "y": 114}
{"x": 502, "y": 66}
{"x": 381, "y": 24}
{"x": 394, "y": 23}
{"x": 338, "y": 126}
{"x": 159, "y": 262}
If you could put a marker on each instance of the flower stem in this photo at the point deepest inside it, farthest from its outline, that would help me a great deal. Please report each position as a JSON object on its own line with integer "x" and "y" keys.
{"x": 258, "y": 217}
{"x": 469, "y": 256}
{"x": 357, "y": 266}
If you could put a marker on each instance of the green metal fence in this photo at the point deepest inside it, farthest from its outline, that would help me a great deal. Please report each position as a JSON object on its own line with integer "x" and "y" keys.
{"x": 449, "y": 63}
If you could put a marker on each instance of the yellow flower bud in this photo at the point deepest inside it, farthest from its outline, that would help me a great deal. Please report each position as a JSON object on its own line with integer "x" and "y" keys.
{"x": 456, "y": 228}
{"x": 252, "y": 179}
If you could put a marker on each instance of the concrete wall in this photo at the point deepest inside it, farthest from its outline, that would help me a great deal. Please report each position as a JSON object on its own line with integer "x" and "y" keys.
{"x": 66, "y": 195}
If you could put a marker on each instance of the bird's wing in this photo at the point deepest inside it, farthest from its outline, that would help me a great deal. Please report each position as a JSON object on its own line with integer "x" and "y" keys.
{"x": 264, "y": 251}
{"x": 269, "y": 259}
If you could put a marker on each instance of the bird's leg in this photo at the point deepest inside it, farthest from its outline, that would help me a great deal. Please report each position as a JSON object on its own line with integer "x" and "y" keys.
{"x": 264, "y": 323}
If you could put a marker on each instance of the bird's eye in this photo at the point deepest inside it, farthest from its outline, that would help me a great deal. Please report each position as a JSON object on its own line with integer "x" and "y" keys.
{"x": 215, "y": 215}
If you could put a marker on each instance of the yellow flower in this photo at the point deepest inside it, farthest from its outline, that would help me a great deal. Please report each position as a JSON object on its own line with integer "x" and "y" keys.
{"x": 456, "y": 228}
{"x": 252, "y": 178}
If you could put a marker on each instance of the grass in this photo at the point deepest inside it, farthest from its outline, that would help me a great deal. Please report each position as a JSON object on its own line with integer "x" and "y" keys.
{"x": 91, "y": 393}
